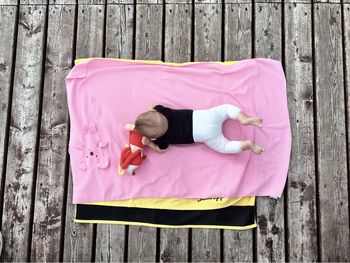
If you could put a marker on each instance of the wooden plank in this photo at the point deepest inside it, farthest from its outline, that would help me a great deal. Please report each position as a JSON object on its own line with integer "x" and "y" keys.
{"x": 53, "y": 136}
{"x": 207, "y": 47}
{"x": 156, "y": 2}
{"x": 208, "y": 2}
{"x": 346, "y": 15}
{"x": 127, "y": 2}
{"x": 173, "y": 2}
{"x": 326, "y": 1}
{"x": 119, "y": 30}
{"x": 7, "y": 38}
{"x": 143, "y": 240}
{"x": 238, "y": 245}
{"x": 110, "y": 240}
{"x": 90, "y": 31}
{"x": 149, "y": 31}
{"x": 79, "y": 237}
{"x": 298, "y": 1}
{"x": 302, "y": 222}
{"x": 270, "y": 233}
{"x": 20, "y": 167}
{"x": 91, "y": 2}
{"x": 62, "y": 2}
{"x": 208, "y": 18}
{"x": 331, "y": 138}
{"x": 238, "y": 31}
{"x": 177, "y": 48}
{"x": 33, "y": 2}
{"x": 8, "y": 2}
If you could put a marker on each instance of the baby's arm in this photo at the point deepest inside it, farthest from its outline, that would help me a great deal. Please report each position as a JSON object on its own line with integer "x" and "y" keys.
{"x": 151, "y": 145}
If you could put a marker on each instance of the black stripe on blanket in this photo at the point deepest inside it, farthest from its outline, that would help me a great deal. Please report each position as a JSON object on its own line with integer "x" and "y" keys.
{"x": 228, "y": 216}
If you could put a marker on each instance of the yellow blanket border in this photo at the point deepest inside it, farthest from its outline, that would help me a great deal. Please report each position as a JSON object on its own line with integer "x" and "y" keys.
{"x": 227, "y": 63}
{"x": 163, "y": 226}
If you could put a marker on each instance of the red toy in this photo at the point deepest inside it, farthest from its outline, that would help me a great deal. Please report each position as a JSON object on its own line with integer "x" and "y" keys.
{"x": 132, "y": 155}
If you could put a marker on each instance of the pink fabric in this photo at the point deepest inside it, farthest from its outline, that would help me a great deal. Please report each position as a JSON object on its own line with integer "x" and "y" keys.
{"x": 104, "y": 95}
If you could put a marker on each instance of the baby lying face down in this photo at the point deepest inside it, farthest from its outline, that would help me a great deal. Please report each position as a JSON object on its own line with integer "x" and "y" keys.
{"x": 162, "y": 126}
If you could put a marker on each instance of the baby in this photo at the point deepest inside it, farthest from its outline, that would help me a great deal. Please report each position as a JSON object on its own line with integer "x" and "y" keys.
{"x": 162, "y": 126}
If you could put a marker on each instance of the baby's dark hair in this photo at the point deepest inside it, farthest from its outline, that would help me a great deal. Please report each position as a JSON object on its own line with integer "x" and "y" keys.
{"x": 151, "y": 124}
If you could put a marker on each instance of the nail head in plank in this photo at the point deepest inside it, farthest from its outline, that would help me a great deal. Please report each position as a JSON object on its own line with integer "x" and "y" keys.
{"x": 23, "y": 132}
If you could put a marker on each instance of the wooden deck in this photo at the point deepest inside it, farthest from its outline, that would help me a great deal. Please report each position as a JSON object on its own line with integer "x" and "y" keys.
{"x": 38, "y": 43}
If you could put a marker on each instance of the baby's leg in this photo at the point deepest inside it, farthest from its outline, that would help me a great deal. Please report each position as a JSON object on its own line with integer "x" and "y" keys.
{"x": 223, "y": 145}
{"x": 226, "y": 111}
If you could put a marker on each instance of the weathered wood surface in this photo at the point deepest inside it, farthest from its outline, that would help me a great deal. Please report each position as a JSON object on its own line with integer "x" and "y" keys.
{"x": 24, "y": 123}
{"x": 332, "y": 167}
{"x": 346, "y": 33}
{"x": 78, "y": 243}
{"x": 111, "y": 239}
{"x": 52, "y": 162}
{"x": 143, "y": 240}
{"x": 177, "y": 48}
{"x": 309, "y": 224}
{"x": 238, "y": 245}
{"x": 207, "y": 47}
{"x": 301, "y": 191}
{"x": 268, "y": 43}
{"x": 8, "y": 27}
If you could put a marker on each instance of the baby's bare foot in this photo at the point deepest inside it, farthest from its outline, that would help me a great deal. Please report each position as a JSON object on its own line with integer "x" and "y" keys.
{"x": 245, "y": 120}
{"x": 256, "y": 121}
{"x": 248, "y": 145}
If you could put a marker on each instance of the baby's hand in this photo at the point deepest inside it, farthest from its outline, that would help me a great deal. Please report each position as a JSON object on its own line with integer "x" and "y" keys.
{"x": 129, "y": 126}
{"x": 145, "y": 141}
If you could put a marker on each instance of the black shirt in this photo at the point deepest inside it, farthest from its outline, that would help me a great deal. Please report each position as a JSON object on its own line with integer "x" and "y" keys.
{"x": 180, "y": 128}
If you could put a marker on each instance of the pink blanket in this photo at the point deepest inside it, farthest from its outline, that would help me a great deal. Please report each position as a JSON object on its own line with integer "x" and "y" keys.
{"x": 104, "y": 95}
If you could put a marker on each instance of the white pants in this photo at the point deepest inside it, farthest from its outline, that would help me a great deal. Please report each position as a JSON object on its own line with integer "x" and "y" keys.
{"x": 207, "y": 128}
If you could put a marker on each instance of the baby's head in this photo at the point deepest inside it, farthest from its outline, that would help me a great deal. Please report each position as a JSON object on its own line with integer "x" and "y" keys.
{"x": 151, "y": 124}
